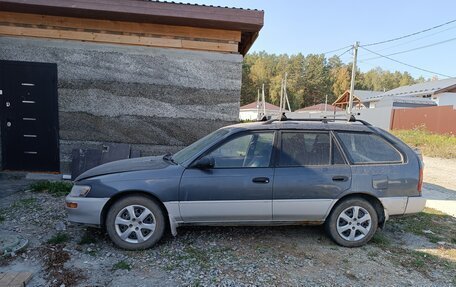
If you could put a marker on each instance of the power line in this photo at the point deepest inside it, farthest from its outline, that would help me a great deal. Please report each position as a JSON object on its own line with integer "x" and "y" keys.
{"x": 417, "y": 39}
{"x": 413, "y": 49}
{"x": 405, "y": 64}
{"x": 340, "y": 55}
{"x": 409, "y": 35}
{"x": 337, "y": 50}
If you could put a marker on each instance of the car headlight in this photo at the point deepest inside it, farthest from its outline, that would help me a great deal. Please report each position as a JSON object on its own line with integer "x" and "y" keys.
{"x": 79, "y": 190}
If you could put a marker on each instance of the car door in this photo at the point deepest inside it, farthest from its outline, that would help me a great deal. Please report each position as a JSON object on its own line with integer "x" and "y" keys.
{"x": 310, "y": 173}
{"x": 239, "y": 185}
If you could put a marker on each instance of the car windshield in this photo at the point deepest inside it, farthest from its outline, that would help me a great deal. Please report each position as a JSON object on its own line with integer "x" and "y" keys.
{"x": 194, "y": 148}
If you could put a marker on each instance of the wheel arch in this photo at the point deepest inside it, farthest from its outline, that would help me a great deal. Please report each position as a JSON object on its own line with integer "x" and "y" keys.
{"x": 127, "y": 193}
{"x": 376, "y": 203}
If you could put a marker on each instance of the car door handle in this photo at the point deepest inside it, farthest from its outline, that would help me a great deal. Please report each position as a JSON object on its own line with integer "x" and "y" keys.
{"x": 260, "y": 180}
{"x": 340, "y": 178}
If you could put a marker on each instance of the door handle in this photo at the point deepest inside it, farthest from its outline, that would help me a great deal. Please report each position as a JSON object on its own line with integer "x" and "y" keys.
{"x": 340, "y": 178}
{"x": 260, "y": 180}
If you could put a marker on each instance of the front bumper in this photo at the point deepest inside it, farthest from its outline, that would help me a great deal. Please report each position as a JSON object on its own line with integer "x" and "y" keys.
{"x": 87, "y": 210}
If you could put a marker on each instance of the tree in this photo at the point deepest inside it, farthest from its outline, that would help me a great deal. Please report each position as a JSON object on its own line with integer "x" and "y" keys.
{"x": 315, "y": 80}
{"x": 311, "y": 78}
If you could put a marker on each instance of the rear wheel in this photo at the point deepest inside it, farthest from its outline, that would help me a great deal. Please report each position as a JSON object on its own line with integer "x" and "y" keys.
{"x": 352, "y": 223}
{"x": 135, "y": 222}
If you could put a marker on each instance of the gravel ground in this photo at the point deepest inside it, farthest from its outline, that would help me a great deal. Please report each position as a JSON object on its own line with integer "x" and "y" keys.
{"x": 215, "y": 256}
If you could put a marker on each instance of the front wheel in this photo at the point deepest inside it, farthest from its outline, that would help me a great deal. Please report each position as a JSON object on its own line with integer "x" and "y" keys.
{"x": 135, "y": 222}
{"x": 352, "y": 223}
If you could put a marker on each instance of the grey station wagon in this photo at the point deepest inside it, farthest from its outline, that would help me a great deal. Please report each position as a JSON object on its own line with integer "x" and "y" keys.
{"x": 347, "y": 175}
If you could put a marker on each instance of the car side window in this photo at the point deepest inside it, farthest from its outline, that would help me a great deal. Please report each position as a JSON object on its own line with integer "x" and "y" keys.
{"x": 337, "y": 157}
{"x": 368, "y": 148}
{"x": 304, "y": 148}
{"x": 249, "y": 150}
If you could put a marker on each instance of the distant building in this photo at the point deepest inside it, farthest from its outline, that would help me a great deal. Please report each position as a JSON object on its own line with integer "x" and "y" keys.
{"x": 360, "y": 99}
{"x": 254, "y": 111}
{"x": 320, "y": 108}
{"x": 442, "y": 92}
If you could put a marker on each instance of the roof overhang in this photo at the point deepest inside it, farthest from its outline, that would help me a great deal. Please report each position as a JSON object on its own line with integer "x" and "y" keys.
{"x": 249, "y": 22}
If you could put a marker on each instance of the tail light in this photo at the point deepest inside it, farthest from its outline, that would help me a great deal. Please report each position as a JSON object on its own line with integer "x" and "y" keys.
{"x": 420, "y": 180}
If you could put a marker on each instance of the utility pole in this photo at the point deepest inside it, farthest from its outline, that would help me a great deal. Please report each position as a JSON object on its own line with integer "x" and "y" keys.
{"x": 258, "y": 106}
{"x": 285, "y": 93}
{"x": 281, "y": 98}
{"x": 326, "y": 103}
{"x": 352, "y": 83}
{"x": 264, "y": 101}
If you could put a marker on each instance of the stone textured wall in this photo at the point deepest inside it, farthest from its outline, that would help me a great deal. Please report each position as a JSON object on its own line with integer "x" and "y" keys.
{"x": 156, "y": 99}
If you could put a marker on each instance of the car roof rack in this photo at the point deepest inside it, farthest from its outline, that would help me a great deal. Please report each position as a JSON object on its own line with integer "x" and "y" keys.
{"x": 325, "y": 120}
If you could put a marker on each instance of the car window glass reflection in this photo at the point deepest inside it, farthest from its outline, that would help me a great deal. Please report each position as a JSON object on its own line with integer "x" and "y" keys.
{"x": 251, "y": 150}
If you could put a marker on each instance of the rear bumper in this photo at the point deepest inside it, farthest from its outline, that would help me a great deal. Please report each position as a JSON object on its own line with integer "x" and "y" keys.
{"x": 415, "y": 204}
{"x": 88, "y": 210}
{"x": 402, "y": 205}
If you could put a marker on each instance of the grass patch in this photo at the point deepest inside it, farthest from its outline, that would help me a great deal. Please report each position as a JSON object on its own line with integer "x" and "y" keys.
{"x": 373, "y": 254}
{"x": 87, "y": 238}
{"x": 59, "y": 238}
{"x": 380, "y": 239}
{"x": 121, "y": 265}
{"x": 430, "y": 144}
{"x": 25, "y": 203}
{"x": 432, "y": 224}
{"x": 421, "y": 261}
{"x": 55, "y": 188}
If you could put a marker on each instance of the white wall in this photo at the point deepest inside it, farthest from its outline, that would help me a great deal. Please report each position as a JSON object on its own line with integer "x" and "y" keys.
{"x": 445, "y": 99}
{"x": 379, "y": 117}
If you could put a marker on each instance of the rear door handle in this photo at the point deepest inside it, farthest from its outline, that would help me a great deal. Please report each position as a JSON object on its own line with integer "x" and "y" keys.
{"x": 340, "y": 178}
{"x": 261, "y": 180}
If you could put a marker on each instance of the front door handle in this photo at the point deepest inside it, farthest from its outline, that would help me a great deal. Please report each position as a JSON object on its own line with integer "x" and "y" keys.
{"x": 340, "y": 178}
{"x": 260, "y": 180}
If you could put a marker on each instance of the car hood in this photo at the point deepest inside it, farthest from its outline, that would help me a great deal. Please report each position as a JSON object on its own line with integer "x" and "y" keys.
{"x": 134, "y": 164}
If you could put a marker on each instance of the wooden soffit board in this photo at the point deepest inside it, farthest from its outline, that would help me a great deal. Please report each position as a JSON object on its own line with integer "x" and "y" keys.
{"x": 119, "y": 32}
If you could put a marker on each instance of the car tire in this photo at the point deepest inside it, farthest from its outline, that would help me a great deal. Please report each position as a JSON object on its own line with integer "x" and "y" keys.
{"x": 352, "y": 222}
{"x": 135, "y": 223}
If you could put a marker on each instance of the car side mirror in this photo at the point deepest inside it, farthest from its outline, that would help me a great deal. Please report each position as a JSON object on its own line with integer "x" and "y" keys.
{"x": 206, "y": 162}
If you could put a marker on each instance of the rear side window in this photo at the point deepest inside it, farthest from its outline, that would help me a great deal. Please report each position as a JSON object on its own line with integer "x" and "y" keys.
{"x": 368, "y": 148}
{"x": 299, "y": 149}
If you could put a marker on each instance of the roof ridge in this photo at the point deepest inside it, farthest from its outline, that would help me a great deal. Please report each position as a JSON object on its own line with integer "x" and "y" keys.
{"x": 203, "y": 5}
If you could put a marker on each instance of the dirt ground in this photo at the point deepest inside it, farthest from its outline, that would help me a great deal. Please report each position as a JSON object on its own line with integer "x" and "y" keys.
{"x": 440, "y": 184}
{"x": 417, "y": 250}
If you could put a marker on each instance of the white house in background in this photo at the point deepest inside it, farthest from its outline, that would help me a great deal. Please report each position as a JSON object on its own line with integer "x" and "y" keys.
{"x": 441, "y": 92}
{"x": 254, "y": 111}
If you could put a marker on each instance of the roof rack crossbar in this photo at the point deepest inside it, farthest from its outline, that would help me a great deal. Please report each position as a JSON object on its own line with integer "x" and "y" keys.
{"x": 323, "y": 120}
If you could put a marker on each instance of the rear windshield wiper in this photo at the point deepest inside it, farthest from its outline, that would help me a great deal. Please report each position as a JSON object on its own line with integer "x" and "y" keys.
{"x": 169, "y": 157}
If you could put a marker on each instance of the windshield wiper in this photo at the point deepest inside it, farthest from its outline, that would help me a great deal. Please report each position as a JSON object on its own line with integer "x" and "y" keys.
{"x": 169, "y": 157}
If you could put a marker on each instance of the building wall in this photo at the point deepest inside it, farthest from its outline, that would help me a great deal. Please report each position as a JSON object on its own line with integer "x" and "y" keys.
{"x": 155, "y": 99}
{"x": 445, "y": 99}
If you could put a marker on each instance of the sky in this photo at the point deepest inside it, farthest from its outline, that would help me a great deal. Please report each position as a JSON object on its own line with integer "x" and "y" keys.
{"x": 319, "y": 26}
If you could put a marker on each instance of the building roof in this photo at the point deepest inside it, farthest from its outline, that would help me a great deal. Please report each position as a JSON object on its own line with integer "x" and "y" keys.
{"x": 320, "y": 108}
{"x": 359, "y": 96}
{"x": 425, "y": 88}
{"x": 363, "y": 95}
{"x": 249, "y": 22}
{"x": 253, "y": 105}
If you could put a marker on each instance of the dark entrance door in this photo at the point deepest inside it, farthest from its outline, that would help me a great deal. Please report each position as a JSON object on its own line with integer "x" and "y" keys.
{"x": 29, "y": 116}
